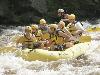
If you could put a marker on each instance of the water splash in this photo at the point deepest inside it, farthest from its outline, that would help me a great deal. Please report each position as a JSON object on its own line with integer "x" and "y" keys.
{"x": 88, "y": 64}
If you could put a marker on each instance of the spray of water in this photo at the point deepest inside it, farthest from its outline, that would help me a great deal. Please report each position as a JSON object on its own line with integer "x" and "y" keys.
{"x": 88, "y": 64}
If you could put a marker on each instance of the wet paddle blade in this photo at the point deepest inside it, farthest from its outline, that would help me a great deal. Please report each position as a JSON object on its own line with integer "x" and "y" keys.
{"x": 85, "y": 38}
{"x": 94, "y": 29}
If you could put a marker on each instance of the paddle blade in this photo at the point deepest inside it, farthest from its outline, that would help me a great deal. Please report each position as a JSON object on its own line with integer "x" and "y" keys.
{"x": 93, "y": 29}
{"x": 85, "y": 39}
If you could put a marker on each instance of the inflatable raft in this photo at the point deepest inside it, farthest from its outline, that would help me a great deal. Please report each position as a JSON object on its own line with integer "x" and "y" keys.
{"x": 46, "y": 55}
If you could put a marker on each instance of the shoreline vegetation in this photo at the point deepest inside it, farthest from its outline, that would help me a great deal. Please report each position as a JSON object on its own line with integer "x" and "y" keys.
{"x": 20, "y": 12}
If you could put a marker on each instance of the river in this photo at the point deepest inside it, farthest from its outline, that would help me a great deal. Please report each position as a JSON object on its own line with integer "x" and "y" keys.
{"x": 88, "y": 64}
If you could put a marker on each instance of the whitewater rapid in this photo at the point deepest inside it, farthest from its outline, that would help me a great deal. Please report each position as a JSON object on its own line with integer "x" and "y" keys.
{"x": 88, "y": 64}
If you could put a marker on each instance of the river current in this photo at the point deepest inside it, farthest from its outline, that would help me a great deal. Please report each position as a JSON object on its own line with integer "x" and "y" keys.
{"x": 88, "y": 64}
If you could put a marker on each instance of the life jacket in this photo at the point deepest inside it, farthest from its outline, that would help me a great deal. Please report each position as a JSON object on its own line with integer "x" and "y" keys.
{"x": 45, "y": 34}
{"x": 59, "y": 39}
{"x": 38, "y": 35}
{"x": 27, "y": 43}
{"x": 55, "y": 37}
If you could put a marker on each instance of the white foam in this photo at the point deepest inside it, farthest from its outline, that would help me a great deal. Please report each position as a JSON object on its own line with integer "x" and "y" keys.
{"x": 10, "y": 64}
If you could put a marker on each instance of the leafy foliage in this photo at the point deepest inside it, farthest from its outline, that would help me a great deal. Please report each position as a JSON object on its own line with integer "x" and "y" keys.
{"x": 29, "y": 11}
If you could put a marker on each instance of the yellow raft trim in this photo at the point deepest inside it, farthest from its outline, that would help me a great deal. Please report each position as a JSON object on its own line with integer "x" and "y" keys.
{"x": 45, "y": 55}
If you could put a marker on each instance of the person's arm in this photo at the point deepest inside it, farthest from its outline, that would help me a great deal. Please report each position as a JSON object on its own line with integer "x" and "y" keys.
{"x": 70, "y": 38}
{"x": 67, "y": 32}
{"x": 63, "y": 34}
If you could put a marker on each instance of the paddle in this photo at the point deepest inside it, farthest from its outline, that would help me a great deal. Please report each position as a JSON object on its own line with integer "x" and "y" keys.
{"x": 93, "y": 29}
{"x": 85, "y": 38}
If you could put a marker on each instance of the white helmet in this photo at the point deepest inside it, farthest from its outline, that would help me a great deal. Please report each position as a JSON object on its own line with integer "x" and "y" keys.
{"x": 34, "y": 26}
{"x": 62, "y": 23}
{"x": 28, "y": 29}
{"x": 53, "y": 26}
{"x": 60, "y": 10}
{"x": 72, "y": 16}
{"x": 42, "y": 21}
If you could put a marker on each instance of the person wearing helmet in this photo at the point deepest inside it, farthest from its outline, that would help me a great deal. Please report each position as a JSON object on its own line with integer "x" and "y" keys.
{"x": 52, "y": 32}
{"x": 39, "y": 36}
{"x": 42, "y": 36}
{"x": 75, "y": 28}
{"x": 43, "y": 24}
{"x": 44, "y": 29}
{"x": 61, "y": 26}
{"x": 27, "y": 39}
{"x": 57, "y": 38}
{"x": 36, "y": 31}
{"x": 61, "y": 12}
{"x": 63, "y": 16}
